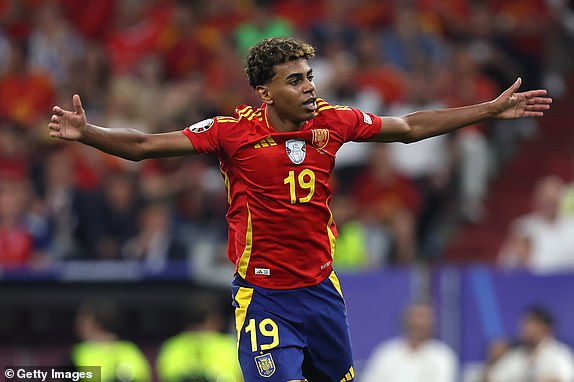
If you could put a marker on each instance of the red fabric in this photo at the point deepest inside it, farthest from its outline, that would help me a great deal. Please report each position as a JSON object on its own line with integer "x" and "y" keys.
{"x": 291, "y": 236}
{"x": 25, "y": 98}
{"x": 385, "y": 199}
{"x": 15, "y": 247}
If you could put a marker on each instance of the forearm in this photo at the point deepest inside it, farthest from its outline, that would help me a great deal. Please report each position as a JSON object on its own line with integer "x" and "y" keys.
{"x": 122, "y": 142}
{"x": 428, "y": 123}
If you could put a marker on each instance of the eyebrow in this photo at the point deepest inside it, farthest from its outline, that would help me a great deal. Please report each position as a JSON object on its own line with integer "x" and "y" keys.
{"x": 299, "y": 75}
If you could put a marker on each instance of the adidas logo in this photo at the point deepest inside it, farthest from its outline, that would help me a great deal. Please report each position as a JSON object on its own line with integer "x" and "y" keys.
{"x": 265, "y": 143}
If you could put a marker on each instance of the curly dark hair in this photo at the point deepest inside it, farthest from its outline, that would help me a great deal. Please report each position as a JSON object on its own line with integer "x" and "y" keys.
{"x": 266, "y": 54}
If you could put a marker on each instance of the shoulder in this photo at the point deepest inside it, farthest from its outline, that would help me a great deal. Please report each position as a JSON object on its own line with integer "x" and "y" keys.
{"x": 248, "y": 113}
{"x": 389, "y": 346}
{"x": 556, "y": 348}
{"x": 440, "y": 348}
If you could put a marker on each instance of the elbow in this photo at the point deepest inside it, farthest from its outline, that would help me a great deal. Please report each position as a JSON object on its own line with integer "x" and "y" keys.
{"x": 408, "y": 133}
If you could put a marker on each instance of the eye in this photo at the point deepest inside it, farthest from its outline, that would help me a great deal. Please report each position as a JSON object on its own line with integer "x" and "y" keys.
{"x": 295, "y": 82}
{"x": 310, "y": 77}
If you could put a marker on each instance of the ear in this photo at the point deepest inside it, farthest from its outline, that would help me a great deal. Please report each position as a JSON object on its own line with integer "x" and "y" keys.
{"x": 264, "y": 94}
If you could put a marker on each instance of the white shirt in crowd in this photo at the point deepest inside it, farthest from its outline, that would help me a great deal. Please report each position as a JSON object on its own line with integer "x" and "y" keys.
{"x": 551, "y": 361}
{"x": 552, "y": 242}
{"x": 396, "y": 361}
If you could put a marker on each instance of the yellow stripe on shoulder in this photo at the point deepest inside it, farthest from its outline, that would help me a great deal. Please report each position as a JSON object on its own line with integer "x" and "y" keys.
{"x": 226, "y": 119}
{"x": 246, "y": 112}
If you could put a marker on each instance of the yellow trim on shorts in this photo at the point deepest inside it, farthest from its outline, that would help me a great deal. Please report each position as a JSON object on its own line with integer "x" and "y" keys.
{"x": 243, "y": 299}
{"x": 335, "y": 281}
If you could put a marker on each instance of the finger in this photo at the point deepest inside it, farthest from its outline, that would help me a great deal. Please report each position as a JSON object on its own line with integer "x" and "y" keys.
{"x": 534, "y": 93}
{"x": 77, "y": 104}
{"x": 515, "y": 85}
{"x": 58, "y": 110}
{"x": 54, "y": 126}
{"x": 539, "y": 100}
{"x": 55, "y": 118}
{"x": 537, "y": 107}
{"x": 533, "y": 114}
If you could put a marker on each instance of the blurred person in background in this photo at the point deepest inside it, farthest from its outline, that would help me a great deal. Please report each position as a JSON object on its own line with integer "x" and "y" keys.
{"x": 408, "y": 45}
{"x": 540, "y": 357}
{"x": 59, "y": 197}
{"x": 54, "y": 47}
{"x": 203, "y": 352}
{"x": 106, "y": 216}
{"x": 479, "y": 372}
{"x": 430, "y": 165}
{"x": 542, "y": 240}
{"x": 362, "y": 245}
{"x": 567, "y": 201}
{"x": 415, "y": 356}
{"x": 155, "y": 243}
{"x": 97, "y": 324}
{"x": 462, "y": 85}
{"x": 270, "y": 196}
{"x": 16, "y": 239}
{"x": 386, "y": 198}
{"x": 260, "y": 24}
{"x": 24, "y": 92}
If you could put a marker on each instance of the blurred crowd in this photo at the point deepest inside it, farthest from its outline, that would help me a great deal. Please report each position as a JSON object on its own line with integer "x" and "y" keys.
{"x": 162, "y": 65}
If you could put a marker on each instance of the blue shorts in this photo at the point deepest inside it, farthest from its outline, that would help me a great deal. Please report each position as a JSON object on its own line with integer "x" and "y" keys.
{"x": 293, "y": 334}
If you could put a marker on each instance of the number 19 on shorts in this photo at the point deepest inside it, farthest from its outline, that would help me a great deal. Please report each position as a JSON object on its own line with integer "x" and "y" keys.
{"x": 268, "y": 328}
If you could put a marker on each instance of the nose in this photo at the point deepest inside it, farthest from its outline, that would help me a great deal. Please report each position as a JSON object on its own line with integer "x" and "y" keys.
{"x": 309, "y": 86}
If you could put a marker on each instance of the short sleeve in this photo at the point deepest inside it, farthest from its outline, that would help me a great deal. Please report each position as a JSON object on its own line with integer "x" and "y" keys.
{"x": 204, "y": 135}
{"x": 360, "y": 126}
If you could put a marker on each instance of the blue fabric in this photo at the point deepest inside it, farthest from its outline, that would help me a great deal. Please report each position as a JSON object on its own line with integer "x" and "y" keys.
{"x": 313, "y": 334}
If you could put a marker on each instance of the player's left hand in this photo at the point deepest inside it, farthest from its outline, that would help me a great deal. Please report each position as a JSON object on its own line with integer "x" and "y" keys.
{"x": 511, "y": 105}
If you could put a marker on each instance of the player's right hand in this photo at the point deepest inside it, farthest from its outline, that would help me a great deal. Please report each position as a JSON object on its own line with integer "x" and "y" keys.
{"x": 68, "y": 125}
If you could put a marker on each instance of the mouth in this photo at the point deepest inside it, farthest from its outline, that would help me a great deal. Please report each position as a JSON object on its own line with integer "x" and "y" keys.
{"x": 310, "y": 104}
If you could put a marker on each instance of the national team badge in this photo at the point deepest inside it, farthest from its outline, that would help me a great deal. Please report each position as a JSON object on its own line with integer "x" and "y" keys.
{"x": 201, "y": 126}
{"x": 265, "y": 365}
{"x": 296, "y": 149}
{"x": 320, "y": 138}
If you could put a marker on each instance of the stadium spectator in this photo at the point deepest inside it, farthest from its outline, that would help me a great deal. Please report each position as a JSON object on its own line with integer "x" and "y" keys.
{"x": 470, "y": 86}
{"x": 155, "y": 242}
{"x": 16, "y": 242}
{"x": 542, "y": 240}
{"x": 54, "y": 47}
{"x": 97, "y": 325}
{"x": 260, "y": 24}
{"x": 479, "y": 372}
{"x": 429, "y": 163}
{"x": 25, "y": 94}
{"x": 203, "y": 352}
{"x": 539, "y": 357}
{"x": 390, "y": 200}
{"x": 361, "y": 245}
{"x": 59, "y": 196}
{"x": 407, "y": 45}
{"x": 415, "y": 356}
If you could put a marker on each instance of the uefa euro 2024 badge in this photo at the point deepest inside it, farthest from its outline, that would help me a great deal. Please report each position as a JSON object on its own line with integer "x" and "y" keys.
{"x": 265, "y": 365}
{"x": 201, "y": 126}
{"x": 296, "y": 150}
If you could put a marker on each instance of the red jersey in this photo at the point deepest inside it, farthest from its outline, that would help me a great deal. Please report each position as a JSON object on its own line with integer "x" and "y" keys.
{"x": 281, "y": 230}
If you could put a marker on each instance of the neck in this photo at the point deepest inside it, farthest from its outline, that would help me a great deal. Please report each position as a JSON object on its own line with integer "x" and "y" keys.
{"x": 282, "y": 124}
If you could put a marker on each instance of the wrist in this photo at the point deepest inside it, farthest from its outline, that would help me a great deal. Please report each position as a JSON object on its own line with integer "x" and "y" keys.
{"x": 491, "y": 109}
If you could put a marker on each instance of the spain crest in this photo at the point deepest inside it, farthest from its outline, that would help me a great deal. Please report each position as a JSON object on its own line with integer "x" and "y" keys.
{"x": 296, "y": 150}
{"x": 265, "y": 365}
{"x": 320, "y": 138}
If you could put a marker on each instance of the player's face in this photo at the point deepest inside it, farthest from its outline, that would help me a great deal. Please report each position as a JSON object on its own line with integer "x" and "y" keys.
{"x": 291, "y": 93}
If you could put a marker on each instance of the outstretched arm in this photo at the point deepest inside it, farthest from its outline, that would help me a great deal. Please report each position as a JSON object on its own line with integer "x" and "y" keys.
{"x": 126, "y": 143}
{"x": 424, "y": 124}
